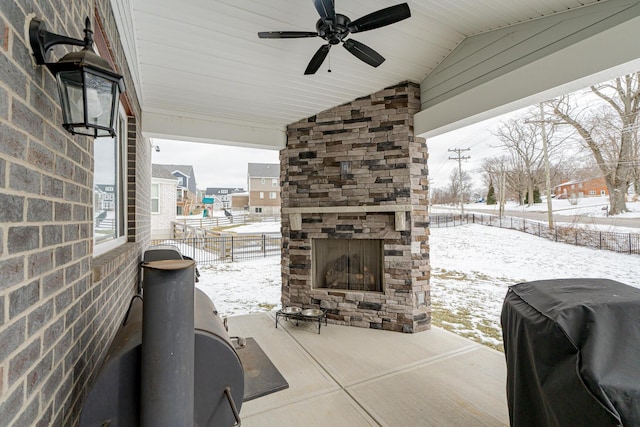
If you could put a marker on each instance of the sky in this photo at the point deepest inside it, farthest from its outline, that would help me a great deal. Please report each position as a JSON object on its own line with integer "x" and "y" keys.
{"x": 213, "y": 165}
{"x": 226, "y": 166}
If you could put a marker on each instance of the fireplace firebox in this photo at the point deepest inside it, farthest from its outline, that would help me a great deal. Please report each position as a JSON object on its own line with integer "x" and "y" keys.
{"x": 348, "y": 264}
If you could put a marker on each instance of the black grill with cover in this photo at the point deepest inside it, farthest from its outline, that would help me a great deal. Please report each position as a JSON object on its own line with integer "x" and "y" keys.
{"x": 573, "y": 353}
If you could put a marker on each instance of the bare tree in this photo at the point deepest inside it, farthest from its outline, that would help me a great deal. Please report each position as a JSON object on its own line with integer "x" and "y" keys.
{"x": 610, "y": 132}
{"x": 522, "y": 138}
{"x": 455, "y": 189}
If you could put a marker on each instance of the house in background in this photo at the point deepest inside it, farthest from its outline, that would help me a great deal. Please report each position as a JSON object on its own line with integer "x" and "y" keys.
{"x": 164, "y": 188}
{"x": 240, "y": 201}
{"x": 222, "y": 196}
{"x": 263, "y": 184}
{"x": 187, "y": 192}
{"x": 594, "y": 187}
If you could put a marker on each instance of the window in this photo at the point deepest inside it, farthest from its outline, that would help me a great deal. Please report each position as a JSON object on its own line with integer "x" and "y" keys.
{"x": 258, "y": 210}
{"x": 603, "y": 193}
{"x": 274, "y": 182}
{"x": 262, "y": 181}
{"x": 272, "y": 195}
{"x": 155, "y": 198}
{"x": 262, "y": 195}
{"x": 109, "y": 201}
{"x": 592, "y": 192}
{"x": 182, "y": 180}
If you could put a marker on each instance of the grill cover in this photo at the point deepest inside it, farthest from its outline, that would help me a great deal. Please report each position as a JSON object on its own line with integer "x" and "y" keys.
{"x": 573, "y": 353}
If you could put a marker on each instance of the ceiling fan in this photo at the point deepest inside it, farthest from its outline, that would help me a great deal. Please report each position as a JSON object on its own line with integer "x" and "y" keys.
{"x": 334, "y": 28}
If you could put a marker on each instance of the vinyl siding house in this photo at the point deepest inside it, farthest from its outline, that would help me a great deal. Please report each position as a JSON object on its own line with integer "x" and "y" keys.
{"x": 222, "y": 196}
{"x": 187, "y": 192}
{"x": 164, "y": 188}
{"x": 263, "y": 184}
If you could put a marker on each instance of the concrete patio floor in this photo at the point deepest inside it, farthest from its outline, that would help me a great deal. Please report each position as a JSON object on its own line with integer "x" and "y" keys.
{"x": 349, "y": 376}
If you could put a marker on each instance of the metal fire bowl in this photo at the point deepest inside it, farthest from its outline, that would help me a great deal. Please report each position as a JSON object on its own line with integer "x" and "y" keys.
{"x": 312, "y": 312}
{"x": 291, "y": 310}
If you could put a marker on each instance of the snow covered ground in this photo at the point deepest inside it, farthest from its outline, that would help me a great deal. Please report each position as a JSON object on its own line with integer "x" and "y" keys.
{"x": 472, "y": 266}
{"x": 586, "y": 206}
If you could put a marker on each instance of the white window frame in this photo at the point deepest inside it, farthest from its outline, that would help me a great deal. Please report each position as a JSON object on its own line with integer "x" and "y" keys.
{"x": 157, "y": 197}
{"x": 274, "y": 182}
{"x": 272, "y": 195}
{"x": 262, "y": 181}
{"x": 100, "y": 248}
{"x": 262, "y": 194}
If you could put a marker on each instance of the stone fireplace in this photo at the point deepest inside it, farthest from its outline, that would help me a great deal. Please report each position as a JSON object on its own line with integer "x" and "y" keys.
{"x": 354, "y": 213}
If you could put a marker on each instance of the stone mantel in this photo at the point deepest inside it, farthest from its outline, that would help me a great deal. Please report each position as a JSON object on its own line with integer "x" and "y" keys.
{"x": 295, "y": 214}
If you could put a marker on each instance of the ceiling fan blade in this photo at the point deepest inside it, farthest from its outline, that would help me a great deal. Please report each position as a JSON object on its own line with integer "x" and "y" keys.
{"x": 363, "y": 52}
{"x": 317, "y": 59}
{"x": 286, "y": 34}
{"x": 325, "y": 9}
{"x": 381, "y": 18}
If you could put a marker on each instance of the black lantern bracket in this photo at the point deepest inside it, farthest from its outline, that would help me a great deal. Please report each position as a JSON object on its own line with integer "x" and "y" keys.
{"x": 42, "y": 40}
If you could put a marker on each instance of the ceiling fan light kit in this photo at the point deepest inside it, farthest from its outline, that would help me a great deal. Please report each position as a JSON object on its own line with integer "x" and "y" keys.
{"x": 335, "y": 28}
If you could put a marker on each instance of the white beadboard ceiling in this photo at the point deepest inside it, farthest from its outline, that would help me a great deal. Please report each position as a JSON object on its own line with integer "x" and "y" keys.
{"x": 201, "y": 61}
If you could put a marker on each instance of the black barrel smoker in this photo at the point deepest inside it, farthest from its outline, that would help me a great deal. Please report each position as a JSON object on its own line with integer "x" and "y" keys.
{"x": 171, "y": 363}
{"x": 573, "y": 353}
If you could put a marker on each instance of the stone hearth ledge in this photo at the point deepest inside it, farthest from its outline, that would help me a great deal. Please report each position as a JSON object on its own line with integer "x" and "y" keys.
{"x": 295, "y": 214}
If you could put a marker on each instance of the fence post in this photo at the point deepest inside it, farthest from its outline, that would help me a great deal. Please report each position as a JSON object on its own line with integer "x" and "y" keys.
{"x": 601, "y": 240}
{"x": 193, "y": 245}
{"x": 232, "y": 249}
{"x": 630, "y": 244}
{"x": 264, "y": 245}
{"x": 576, "y": 237}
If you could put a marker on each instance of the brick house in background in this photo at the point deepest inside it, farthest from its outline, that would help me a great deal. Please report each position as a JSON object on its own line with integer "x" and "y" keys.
{"x": 263, "y": 185}
{"x": 164, "y": 188}
{"x": 594, "y": 187}
{"x": 240, "y": 201}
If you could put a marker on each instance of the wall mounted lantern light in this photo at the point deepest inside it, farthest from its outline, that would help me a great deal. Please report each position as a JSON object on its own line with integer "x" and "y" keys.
{"x": 89, "y": 88}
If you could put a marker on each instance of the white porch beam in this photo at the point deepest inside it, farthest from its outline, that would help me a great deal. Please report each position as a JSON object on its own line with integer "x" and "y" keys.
{"x": 165, "y": 126}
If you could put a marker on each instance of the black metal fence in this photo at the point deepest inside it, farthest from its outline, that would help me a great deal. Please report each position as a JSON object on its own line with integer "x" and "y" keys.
{"x": 628, "y": 243}
{"x": 228, "y": 248}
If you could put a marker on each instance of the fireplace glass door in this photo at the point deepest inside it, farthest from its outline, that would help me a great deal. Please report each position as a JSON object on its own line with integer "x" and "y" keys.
{"x": 348, "y": 264}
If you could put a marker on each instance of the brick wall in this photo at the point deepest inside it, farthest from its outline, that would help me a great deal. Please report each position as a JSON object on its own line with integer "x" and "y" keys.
{"x": 360, "y": 154}
{"x": 59, "y": 305}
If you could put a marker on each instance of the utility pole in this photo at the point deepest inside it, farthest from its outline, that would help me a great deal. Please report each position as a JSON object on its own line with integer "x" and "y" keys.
{"x": 547, "y": 177}
{"x": 460, "y": 158}
{"x": 545, "y": 151}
